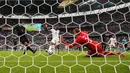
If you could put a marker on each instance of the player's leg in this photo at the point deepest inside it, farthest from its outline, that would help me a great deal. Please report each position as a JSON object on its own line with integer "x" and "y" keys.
{"x": 96, "y": 48}
{"x": 24, "y": 49}
{"x": 109, "y": 53}
{"x": 25, "y": 42}
{"x": 28, "y": 48}
{"x": 125, "y": 45}
{"x": 113, "y": 53}
{"x": 91, "y": 50}
{"x": 51, "y": 47}
{"x": 57, "y": 48}
{"x": 115, "y": 47}
{"x": 112, "y": 47}
{"x": 99, "y": 50}
{"x": 57, "y": 45}
{"x": 15, "y": 43}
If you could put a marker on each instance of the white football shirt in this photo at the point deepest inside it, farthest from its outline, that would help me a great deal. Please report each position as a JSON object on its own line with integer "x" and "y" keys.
{"x": 113, "y": 41}
{"x": 55, "y": 34}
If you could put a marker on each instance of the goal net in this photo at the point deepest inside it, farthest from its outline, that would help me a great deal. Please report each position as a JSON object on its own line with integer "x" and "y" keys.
{"x": 27, "y": 25}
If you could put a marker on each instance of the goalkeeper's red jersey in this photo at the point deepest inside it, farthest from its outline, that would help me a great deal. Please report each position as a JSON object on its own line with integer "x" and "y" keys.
{"x": 93, "y": 46}
{"x": 83, "y": 38}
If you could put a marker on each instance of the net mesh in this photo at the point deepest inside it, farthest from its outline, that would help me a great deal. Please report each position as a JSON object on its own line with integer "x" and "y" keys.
{"x": 101, "y": 18}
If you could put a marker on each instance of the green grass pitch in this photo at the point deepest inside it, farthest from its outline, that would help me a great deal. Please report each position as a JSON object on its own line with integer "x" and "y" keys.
{"x": 64, "y": 62}
{"x": 30, "y": 28}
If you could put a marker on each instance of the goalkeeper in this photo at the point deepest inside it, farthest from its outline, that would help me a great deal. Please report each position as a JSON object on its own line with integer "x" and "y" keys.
{"x": 95, "y": 48}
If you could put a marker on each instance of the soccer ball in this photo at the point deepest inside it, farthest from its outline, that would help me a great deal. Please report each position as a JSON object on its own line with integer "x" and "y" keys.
{"x": 50, "y": 52}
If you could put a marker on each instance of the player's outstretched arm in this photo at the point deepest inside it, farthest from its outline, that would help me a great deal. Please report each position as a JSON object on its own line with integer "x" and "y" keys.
{"x": 66, "y": 43}
{"x": 70, "y": 45}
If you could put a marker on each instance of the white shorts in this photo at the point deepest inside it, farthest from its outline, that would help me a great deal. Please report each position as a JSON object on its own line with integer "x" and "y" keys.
{"x": 55, "y": 41}
{"x": 112, "y": 45}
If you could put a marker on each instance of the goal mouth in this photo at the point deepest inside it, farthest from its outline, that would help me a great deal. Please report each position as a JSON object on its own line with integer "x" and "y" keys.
{"x": 65, "y": 36}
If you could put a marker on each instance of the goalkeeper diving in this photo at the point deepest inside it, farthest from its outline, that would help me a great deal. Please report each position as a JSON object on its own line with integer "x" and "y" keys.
{"x": 95, "y": 48}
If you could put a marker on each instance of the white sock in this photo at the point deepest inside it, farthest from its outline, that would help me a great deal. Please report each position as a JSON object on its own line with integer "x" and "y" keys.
{"x": 51, "y": 48}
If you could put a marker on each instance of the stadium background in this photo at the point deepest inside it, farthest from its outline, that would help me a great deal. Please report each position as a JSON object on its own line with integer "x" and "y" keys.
{"x": 87, "y": 15}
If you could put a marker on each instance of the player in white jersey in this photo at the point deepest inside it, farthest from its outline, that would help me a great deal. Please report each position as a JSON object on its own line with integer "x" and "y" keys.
{"x": 112, "y": 43}
{"x": 55, "y": 40}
